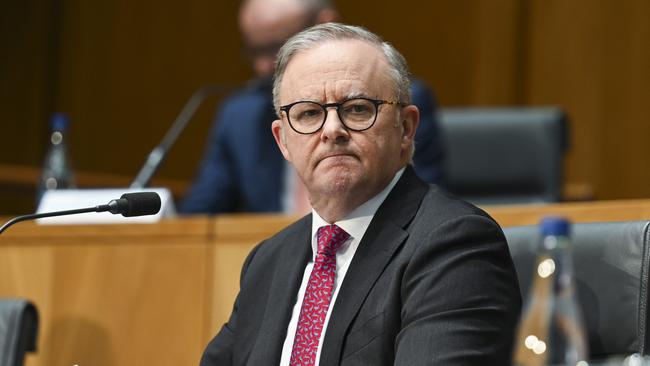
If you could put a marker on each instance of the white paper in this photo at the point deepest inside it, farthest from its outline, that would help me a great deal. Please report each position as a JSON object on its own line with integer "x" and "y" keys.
{"x": 69, "y": 199}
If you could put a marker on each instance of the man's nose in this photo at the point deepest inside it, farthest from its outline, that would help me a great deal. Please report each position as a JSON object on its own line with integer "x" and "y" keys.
{"x": 333, "y": 129}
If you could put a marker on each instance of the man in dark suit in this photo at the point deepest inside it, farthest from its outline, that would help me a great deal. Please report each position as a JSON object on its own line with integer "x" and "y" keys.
{"x": 242, "y": 169}
{"x": 386, "y": 270}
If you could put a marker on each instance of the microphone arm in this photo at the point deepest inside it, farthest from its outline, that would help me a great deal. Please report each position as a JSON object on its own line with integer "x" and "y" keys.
{"x": 100, "y": 208}
{"x": 157, "y": 155}
{"x": 130, "y": 204}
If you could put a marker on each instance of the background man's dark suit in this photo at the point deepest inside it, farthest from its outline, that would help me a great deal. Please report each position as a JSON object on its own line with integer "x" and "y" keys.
{"x": 243, "y": 169}
{"x": 430, "y": 270}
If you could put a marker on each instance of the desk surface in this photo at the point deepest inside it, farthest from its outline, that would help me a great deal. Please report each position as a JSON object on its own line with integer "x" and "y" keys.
{"x": 595, "y": 211}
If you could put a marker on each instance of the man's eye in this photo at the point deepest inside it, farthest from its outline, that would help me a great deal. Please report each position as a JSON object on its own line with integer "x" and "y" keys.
{"x": 356, "y": 108}
{"x": 309, "y": 113}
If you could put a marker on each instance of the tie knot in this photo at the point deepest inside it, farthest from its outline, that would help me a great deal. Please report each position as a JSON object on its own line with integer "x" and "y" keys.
{"x": 330, "y": 239}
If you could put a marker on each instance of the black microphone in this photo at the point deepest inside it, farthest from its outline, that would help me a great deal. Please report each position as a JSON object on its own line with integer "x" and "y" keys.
{"x": 129, "y": 204}
{"x": 135, "y": 204}
{"x": 157, "y": 155}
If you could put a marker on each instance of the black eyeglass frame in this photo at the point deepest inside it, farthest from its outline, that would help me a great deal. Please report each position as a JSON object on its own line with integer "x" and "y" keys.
{"x": 375, "y": 102}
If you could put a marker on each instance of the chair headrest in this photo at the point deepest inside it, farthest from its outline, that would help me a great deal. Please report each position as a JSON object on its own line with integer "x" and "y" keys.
{"x": 18, "y": 330}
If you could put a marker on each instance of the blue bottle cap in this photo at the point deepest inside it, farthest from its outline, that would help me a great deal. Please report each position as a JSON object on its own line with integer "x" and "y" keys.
{"x": 557, "y": 226}
{"x": 59, "y": 122}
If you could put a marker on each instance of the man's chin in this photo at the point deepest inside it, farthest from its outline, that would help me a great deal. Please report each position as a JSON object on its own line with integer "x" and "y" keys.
{"x": 338, "y": 161}
{"x": 339, "y": 180}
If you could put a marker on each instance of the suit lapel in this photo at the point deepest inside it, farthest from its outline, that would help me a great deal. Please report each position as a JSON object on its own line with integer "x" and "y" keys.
{"x": 285, "y": 284}
{"x": 383, "y": 237}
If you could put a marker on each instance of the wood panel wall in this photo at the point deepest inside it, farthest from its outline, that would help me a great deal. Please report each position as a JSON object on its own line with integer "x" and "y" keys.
{"x": 124, "y": 69}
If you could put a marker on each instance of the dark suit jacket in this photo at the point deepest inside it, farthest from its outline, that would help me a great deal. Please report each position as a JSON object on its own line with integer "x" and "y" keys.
{"x": 432, "y": 283}
{"x": 243, "y": 169}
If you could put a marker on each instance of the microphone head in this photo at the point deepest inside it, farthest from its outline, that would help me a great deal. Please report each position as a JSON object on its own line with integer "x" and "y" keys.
{"x": 140, "y": 203}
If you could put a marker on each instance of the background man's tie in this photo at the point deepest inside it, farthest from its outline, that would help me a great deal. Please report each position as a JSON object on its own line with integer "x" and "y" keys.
{"x": 317, "y": 296}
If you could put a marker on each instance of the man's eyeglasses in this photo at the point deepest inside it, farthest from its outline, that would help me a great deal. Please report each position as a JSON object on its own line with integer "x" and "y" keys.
{"x": 356, "y": 114}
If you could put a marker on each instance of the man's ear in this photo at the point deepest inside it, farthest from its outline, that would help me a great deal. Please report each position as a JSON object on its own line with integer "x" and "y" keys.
{"x": 410, "y": 119}
{"x": 278, "y": 134}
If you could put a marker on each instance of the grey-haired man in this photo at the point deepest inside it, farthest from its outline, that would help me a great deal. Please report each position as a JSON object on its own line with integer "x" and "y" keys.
{"x": 386, "y": 270}
{"x": 242, "y": 169}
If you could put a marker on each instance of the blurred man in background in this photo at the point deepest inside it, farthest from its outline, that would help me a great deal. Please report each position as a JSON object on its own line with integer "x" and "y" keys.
{"x": 242, "y": 168}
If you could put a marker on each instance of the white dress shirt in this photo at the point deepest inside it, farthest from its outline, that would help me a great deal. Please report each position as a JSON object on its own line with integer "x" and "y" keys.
{"x": 354, "y": 224}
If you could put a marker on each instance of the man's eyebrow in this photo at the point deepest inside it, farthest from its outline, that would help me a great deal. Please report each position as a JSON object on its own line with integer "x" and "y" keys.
{"x": 356, "y": 95}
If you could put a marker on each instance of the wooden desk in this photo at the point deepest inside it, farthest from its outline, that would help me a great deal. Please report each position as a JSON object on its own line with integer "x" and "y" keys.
{"x": 595, "y": 211}
{"x": 114, "y": 294}
{"x": 156, "y": 293}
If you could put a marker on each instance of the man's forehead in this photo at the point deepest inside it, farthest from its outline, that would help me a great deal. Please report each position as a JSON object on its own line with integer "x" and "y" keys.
{"x": 349, "y": 67}
{"x": 350, "y": 56}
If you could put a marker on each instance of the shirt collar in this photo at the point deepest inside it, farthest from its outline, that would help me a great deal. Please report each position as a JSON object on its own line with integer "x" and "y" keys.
{"x": 357, "y": 221}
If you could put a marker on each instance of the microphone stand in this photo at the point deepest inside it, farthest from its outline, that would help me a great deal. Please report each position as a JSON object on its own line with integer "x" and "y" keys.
{"x": 157, "y": 155}
{"x": 130, "y": 204}
{"x": 100, "y": 208}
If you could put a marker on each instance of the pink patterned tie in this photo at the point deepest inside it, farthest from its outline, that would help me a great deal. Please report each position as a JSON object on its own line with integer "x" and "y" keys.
{"x": 317, "y": 296}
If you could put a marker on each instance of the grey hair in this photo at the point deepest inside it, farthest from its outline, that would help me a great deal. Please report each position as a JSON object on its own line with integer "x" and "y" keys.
{"x": 322, "y": 33}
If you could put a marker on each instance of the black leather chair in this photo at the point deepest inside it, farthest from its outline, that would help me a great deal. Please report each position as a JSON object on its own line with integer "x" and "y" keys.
{"x": 504, "y": 155}
{"x": 611, "y": 263}
{"x": 18, "y": 330}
